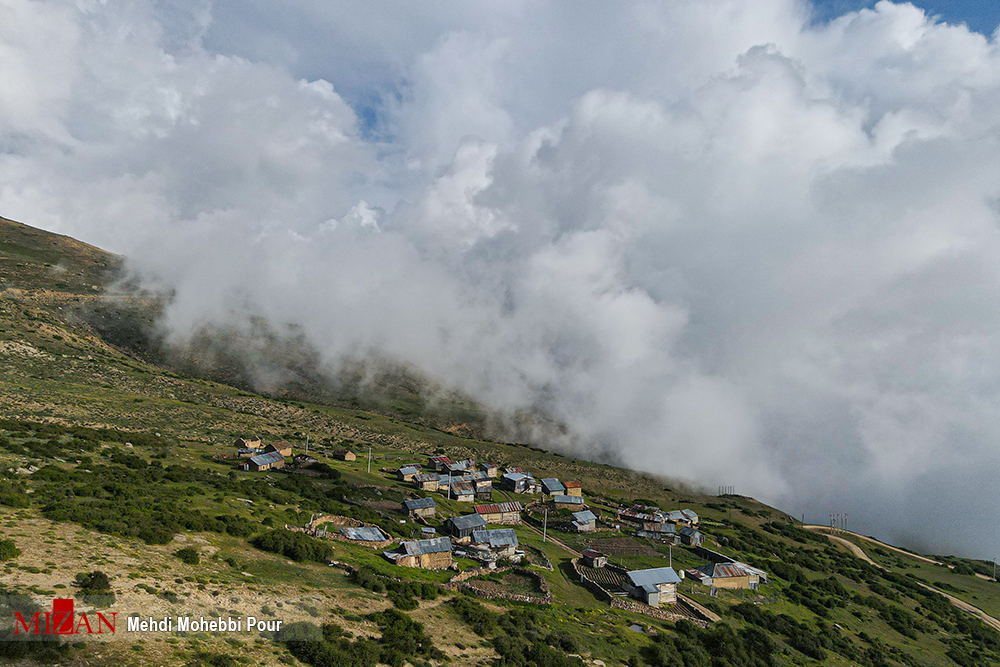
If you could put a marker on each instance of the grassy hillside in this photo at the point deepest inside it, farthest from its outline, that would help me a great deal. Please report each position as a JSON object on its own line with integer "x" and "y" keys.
{"x": 107, "y": 463}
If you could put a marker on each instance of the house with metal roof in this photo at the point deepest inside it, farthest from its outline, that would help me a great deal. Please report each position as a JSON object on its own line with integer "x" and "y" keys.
{"x": 686, "y": 517}
{"x": 462, "y": 526}
{"x": 497, "y": 539}
{"x": 406, "y": 473}
{"x": 553, "y": 487}
{"x": 437, "y": 462}
{"x": 430, "y": 554}
{"x": 656, "y": 587}
{"x": 658, "y": 530}
{"x": 567, "y": 502}
{"x": 420, "y": 507}
{"x": 462, "y": 491}
{"x": 500, "y": 513}
{"x": 268, "y": 461}
{"x": 280, "y": 447}
{"x": 457, "y": 467}
{"x": 594, "y": 558}
{"x": 729, "y": 575}
{"x": 518, "y": 482}
{"x": 584, "y": 522}
{"x": 574, "y": 489}
{"x": 691, "y": 536}
{"x": 427, "y": 481}
{"x": 491, "y": 469}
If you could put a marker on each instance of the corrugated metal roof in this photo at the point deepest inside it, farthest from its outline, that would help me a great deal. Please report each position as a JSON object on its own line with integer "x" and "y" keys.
{"x": 654, "y": 577}
{"x": 725, "y": 570}
{"x": 467, "y": 521}
{"x": 462, "y": 488}
{"x": 363, "y": 534}
{"x": 434, "y": 545}
{"x": 682, "y": 515}
{"x": 592, "y": 553}
{"x": 585, "y": 516}
{"x": 568, "y": 500}
{"x": 270, "y": 457}
{"x": 425, "y": 477}
{"x": 689, "y": 532}
{"x": 409, "y": 470}
{"x": 502, "y": 508}
{"x": 496, "y": 538}
{"x": 552, "y": 485}
{"x": 517, "y": 476}
{"x": 574, "y": 485}
{"x": 419, "y": 504}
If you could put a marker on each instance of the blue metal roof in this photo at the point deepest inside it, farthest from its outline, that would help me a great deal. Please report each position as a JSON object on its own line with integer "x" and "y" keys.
{"x": 586, "y": 516}
{"x": 568, "y": 500}
{"x": 409, "y": 470}
{"x": 552, "y": 485}
{"x": 654, "y": 577}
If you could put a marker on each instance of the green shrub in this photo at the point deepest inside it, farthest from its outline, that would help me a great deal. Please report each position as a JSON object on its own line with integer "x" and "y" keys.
{"x": 188, "y": 555}
{"x": 8, "y": 550}
{"x": 297, "y": 546}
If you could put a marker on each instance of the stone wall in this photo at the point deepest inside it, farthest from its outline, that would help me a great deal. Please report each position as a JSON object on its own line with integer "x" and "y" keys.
{"x": 618, "y": 602}
{"x": 459, "y": 582}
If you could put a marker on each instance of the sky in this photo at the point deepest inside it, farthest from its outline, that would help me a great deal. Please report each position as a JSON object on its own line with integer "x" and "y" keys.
{"x": 730, "y": 242}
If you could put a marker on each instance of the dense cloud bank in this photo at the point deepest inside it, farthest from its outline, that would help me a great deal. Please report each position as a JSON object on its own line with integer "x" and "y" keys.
{"x": 719, "y": 239}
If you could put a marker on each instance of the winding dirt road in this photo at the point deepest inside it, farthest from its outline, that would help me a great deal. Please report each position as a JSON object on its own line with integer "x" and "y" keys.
{"x": 860, "y": 553}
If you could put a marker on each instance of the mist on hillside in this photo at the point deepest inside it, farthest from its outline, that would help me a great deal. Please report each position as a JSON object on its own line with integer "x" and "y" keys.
{"x": 717, "y": 240}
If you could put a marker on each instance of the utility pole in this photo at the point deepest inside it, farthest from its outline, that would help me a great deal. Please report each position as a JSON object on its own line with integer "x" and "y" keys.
{"x": 307, "y": 444}
{"x": 545, "y": 525}
{"x": 369, "y": 459}
{"x": 671, "y": 547}
{"x": 449, "y": 484}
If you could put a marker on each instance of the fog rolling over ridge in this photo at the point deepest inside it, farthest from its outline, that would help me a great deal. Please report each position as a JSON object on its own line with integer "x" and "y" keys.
{"x": 719, "y": 239}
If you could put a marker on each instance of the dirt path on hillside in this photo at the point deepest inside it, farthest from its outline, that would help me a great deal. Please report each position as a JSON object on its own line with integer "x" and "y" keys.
{"x": 860, "y": 553}
{"x": 925, "y": 559}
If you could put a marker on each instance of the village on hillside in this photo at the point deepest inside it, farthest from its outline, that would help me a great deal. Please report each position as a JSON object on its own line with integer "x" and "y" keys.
{"x": 502, "y": 501}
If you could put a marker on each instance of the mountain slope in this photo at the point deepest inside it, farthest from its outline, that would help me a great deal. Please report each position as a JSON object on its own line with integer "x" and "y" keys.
{"x": 111, "y": 461}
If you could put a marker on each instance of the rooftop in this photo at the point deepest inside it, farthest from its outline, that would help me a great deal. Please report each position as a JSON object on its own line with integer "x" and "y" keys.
{"x": 264, "y": 459}
{"x": 502, "y": 508}
{"x": 654, "y": 577}
{"x": 419, "y": 503}
{"x": 496, "y": 538}
{"x": 435, "y": 545}
{"x": 364, "y": 534}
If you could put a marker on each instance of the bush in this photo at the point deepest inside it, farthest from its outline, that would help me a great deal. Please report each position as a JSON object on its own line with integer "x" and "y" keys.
{"x": 188, "y": 555}
{"x": 297, "y": 546}
{"x": 8, "y": 550}
{"x": 95, "y": 588}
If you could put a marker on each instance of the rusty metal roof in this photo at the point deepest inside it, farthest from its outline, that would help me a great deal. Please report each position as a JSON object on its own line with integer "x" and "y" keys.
{"x": 502, "y": 508}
